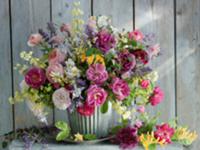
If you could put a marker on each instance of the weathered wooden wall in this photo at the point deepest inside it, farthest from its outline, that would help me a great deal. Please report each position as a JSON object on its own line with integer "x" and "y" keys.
{"x": 175, "y": 22}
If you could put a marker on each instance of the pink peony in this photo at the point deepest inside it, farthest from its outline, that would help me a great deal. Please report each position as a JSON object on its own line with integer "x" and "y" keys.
{"x": 97, "y": 73}
{"x": 86, "y": 110}
{"x": 56, "y": 56}
{"x": 105, "y": 41}
{"x": 157, "y": 96}
{"x": 127, "y": 60}
{"x": 35, "y": 77}
{"x": 34, "y": 40}
{"x": 54, "y": 68}
{"x": 61, "y": 98}
{"x": 141, "y": 109}
{"x": 164, "y": 132}
{"x": 96, "y": 96}
{"x": 120, "y": 88}
{"x": 136, "y": 35}
{"x": 145, "y": 84}
{"x": 141, "y": 56}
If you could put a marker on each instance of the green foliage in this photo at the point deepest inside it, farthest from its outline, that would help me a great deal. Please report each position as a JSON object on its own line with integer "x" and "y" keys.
{"x": 152, "y": 147}
{"x": 89, "y": 137}
{"x": 104, "y": 107}
{"x": 64, "y": 130}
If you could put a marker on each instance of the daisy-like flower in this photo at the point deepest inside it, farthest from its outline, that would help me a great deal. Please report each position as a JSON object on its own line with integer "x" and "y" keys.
{"x": 78, "y": 137}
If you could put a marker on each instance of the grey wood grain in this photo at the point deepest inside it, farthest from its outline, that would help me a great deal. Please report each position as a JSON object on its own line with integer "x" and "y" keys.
{"x": 188, "y": 64}
{"x": 5, "y": 69}
{"x": 27, "y": 17}
{"x": 61, "y": 13}
{"x": 156, "y": 16}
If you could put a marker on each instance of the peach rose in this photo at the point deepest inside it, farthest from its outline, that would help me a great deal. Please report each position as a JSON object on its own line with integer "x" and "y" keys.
{"x": 34, "y": 39}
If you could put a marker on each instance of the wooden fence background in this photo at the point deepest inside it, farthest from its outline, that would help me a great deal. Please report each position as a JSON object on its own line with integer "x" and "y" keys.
{"x": 175, "y": 22}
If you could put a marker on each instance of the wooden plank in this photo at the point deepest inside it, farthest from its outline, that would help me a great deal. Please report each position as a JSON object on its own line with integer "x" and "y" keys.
{"x": 156, "y": 16}
{"x": 188, "y": 70}
{"x": 61, "y": 13}
{"x": 27, "y": 17}
{"x": 5, "y": 67}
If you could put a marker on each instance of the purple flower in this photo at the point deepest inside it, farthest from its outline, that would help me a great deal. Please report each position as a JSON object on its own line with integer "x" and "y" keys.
{"x": 91, "y": 28}
{"x": 127, "y": 137}
{"x": 97, "y": 73}
{"x": 105, "y": 41}
{"x": 35, "y": 77}
{"x": 127, "y": 60}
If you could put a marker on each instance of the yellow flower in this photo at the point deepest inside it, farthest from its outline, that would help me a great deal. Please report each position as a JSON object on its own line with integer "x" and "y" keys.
{"x": 92, "y": 59}
{"x": 149, "y": 139}
{"x": 78, "y": 137}
{"x": 184, "y": 135}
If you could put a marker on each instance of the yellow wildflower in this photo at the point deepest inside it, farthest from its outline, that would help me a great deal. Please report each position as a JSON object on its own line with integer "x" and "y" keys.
{"x": 78, "y": 137}
{"x": 149, "y": 139}
{"x": 92, "y": 59}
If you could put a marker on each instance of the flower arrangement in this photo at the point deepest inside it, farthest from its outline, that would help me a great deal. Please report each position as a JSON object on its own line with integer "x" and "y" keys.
{"x": 86, "y": 66}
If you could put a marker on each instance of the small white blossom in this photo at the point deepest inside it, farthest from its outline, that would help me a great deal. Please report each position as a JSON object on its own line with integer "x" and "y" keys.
{"x": 71, "y": 70}
{"x": 102, "y": 21}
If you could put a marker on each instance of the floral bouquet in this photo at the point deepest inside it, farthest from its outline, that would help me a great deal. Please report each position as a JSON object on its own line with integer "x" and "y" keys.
{"x": 85, "y": 67}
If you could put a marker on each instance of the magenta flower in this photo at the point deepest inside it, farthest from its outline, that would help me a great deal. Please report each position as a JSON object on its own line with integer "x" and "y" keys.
{"x": 105, "y": 41}
{"x": 56, "y": 56}
{"x": 164, "y": 132}
{"x": 97, "y": 73}
{"x": 96, "y": 96}
{"x": 35, "y": 77}
{"x": 145, "y": 84}
{"x": 120, "y": 88}
{"x": 156, "y": 97}
{"x": 141, "y": 56}
{"x": 127, "y": 60}
{"x": 136, "y": 35}
{"x": 86, "y": 110}
{"x": 127, "y": 138}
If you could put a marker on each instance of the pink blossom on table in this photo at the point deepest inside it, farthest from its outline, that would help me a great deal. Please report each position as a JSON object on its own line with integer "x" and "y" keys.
{"x": 127, "y": 60}
{"x": 136, "y": 35}
{"x": 157, "y": 96}
{"x": 141, "y": 109}
{"x": 61, "y": 98}
{"x": 96, "y": 95}
{"x": 120, "y": 88}
{"x": 34, "y": 40}
{"x": 145, "y": 84}
{"x": 164, "y": 132}
{"x": 97, "y": 73}
{"x": 54, "y": 68}
{"x": 154, "y": 50}
{"x": 56, "y": 56}
{"x": 35, "y": 77}
{"x": 86, "y": 110}
{"x": 105, "y": 41}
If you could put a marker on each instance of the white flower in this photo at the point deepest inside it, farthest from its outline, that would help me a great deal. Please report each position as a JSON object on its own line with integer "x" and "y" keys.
{"x": 153, "y": 76}
{"x": 61, "y": 99}
{"x": 71, "y": 70}
{"x": 102, "y": 21}
{"x": 77, "y": 91}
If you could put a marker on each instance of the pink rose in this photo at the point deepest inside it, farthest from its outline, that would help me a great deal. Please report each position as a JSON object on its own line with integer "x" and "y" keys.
{"x": 97, "y": 73}
{"x": 65, "y": 28}
{"x": 120, "y": 88}
{"x": 61, "y": 98}
{"x": 96, "y": 96}
{"x": 136, "y": 35}
{"x": 35, "y": 77}
{"x": 141, "y": 109}
{"x": 86, "y": 110}
{"x": 156, "y": 97}
{"x": 34, "y": 40}
{"x": 56, "y": 56}
{"x": 145, "y": 84}
{"x": 54, "y": 68}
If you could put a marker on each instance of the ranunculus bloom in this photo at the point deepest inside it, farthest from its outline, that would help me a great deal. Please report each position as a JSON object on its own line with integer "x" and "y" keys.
{"x": 127, "y": 60}
{"x": 120, "y": 88}
{"x": 61, "y": 98}
{"x": 136, "y": 35}
{"x": 127, "y": 138}
{"x": 35, "y": 77}
{"x": 97, "y": 73}
{"x": 156, "y": 97}
{"x": 56, "y": 56}
{"x": 145, "y": 84}
{"x": 105, "y": 41}
{"x": 141, "y": 109}
{"x": 54, "y": 68}
{"x": 86, "y": 110}
{"x": 96, "y": 96}
{"x": 141, "y": 56}
{"x": 34, "y": 40}
{"x": 164, "y": 132}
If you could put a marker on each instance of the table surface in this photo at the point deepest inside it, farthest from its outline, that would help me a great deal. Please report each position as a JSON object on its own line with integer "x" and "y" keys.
{"x": 17, "y": 145}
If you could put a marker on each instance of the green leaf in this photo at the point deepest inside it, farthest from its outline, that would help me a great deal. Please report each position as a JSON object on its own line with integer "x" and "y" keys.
{"x": 62, "y": 135}
{"x": 65, "y": 130}
{"x": 104, "y": 107}
{"x": 116, "y": 129}
{"x": 134, "y": 43}
{"x": 89, "y": 137}
{"x": 62, "y": 125}
{"x": 90, "y": 51}
{"x": 152, "y": 147}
